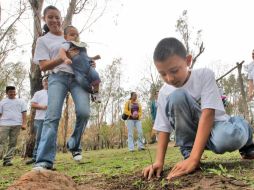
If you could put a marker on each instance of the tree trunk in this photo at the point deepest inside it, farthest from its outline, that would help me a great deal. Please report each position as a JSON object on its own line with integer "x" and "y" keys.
{"x": 29, "y": 147}
{"x": 35, "y": 74}
{"x": 68, "y": 18}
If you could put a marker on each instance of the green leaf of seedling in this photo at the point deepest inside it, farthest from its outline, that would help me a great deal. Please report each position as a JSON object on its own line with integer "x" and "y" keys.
{"x": 163, "y": 183}
{"x": 224, "y": 170}
{"x": 214, "y": 171}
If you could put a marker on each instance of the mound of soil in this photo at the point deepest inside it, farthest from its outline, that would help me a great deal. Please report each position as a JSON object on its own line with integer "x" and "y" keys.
{"x": 41, "y": 180}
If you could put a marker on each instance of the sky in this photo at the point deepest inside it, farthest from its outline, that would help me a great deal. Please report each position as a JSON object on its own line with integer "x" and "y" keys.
{"x": 130, "y": 29}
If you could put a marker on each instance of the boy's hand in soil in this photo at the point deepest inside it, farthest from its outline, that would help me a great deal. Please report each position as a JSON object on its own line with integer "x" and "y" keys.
{"x": 182, "y": 168}
{"x": 155, "y": 168}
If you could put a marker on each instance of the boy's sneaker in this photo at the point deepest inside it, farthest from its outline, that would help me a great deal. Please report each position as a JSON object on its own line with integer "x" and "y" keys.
{"x": 7, "y": 163}
{"x": 96, "y": 97}
{"x": 77, "y": 156}
{"x": 28, "y": 162}
{"x": 247, "y": 152}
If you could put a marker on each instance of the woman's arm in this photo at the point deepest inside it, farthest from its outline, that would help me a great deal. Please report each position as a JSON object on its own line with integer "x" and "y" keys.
{"x": 127, "y": 110}
{"x": 139, "y": 111}
{"x": 50, "y": 64}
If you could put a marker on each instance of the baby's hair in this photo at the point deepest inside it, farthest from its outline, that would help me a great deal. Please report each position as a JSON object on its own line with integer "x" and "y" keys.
{"x": 66, "y": 29}
{"x": 45, "y": 26}
{"x": 9, "y": 88}
{"x": 169, "y": 47}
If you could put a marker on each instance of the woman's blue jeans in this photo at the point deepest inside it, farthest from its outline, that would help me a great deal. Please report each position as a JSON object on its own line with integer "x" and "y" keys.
{"x": 131, "y": 124}
{"x": 184, "y": 112}
{"x": 58, "y": 86}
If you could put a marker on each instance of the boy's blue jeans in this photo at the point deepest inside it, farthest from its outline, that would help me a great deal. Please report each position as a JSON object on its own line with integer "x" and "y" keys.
{"x": 184, "y": 112}
{"x": 58, "y": 86}
{"x": 85, "y": 74}
{"x": 130, "y": 125}
{"x": 38, "y": 123}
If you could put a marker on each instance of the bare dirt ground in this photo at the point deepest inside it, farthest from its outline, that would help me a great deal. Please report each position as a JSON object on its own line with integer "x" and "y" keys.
{"x": 52, "y": 180}
{"x": 201, "y": 179}
{"x": 194, "y": 181}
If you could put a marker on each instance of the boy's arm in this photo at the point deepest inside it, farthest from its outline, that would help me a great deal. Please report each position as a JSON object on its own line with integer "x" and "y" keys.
{"x": 162, "y": 147}
{"x": 38, "y": 106}
{"x": 157, "y": 167}
{"x": 205, "y": 126}
{"x": 250, "y": 90}
{"x": 23, "y": 127}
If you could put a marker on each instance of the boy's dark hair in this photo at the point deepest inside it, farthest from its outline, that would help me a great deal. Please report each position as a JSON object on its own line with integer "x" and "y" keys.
{"x": 168, "y": 47}
{"x": 9, "y": 88}
{"x": 45, "y": 26}
{"x": 66, "y": 29}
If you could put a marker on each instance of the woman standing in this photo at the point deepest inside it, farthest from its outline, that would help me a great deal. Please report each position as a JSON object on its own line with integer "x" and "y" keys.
{"x": 133, "y": 109}
{"x": 60, "y": 81}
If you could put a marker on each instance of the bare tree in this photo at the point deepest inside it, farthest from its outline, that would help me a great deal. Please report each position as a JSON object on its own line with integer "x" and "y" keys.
{"x": 183, "y": 27}
{"x": 14, "y": 73}
{"x": 8, "y": 31}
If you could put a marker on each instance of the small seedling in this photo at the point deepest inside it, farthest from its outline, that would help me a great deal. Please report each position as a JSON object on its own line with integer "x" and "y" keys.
{"x": 221, "y": 171}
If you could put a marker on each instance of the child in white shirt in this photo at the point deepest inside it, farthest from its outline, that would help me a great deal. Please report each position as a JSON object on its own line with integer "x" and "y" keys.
{"x": 190, "y": 103}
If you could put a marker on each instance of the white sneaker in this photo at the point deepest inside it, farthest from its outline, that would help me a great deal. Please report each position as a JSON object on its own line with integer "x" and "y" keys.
{"x": 39, "y": 168}
{"x": 96, "y": 97}
{"x": 77, "y": 156}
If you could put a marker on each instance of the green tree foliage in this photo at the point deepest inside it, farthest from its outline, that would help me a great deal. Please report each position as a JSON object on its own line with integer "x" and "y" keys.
{"x": 231, "y": 89}
{"x": 13, "y": 74}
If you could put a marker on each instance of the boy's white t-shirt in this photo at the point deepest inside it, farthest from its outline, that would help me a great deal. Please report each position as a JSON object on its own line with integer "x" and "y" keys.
{"x": 202, "y": 87}
{"x": 11, "y": 110}
{"x": 41, "y": 98}
{"x": 47, "y": 48}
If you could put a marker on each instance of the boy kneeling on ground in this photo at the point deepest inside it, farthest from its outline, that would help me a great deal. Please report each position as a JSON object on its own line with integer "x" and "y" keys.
{"x": 190, "y": 104}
